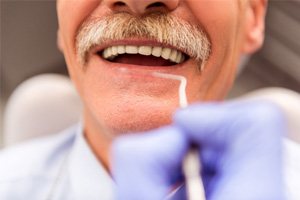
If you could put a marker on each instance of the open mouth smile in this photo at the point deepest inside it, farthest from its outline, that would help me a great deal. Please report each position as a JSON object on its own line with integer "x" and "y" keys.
{"x": 146, "y": 55}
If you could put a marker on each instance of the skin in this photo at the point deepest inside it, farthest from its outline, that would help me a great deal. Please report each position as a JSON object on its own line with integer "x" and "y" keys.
{"x": 115, "y": 103}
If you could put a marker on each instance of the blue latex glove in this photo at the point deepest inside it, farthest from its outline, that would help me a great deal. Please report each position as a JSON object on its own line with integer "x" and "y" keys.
{"x": 239, "y": 144}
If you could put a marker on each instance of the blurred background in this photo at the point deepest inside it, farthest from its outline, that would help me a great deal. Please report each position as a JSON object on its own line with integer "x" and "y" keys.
{"x": 28, "y": 48}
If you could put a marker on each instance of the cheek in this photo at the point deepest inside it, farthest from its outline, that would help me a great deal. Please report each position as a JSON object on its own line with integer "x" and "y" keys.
{"x": 220, "y": 20}
{"x": 71, "y": 13}
{"x": 69, "y": 22}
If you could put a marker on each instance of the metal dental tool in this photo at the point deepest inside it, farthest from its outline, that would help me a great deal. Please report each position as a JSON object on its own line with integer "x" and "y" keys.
{"x": 191, "y": 164}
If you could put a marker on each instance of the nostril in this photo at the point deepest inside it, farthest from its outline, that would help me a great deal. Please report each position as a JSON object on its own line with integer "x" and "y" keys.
{"x": 119, "y": 4}
{"x": 141, "y": 7}
{"x": 155, "y": 5}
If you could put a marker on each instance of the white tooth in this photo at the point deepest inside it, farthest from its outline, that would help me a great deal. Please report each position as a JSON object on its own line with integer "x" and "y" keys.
{"x": 131, "y": 49}
{"x": 156, "y": 51}
{"x": 107, "y": 53}
{"x": 145, "y": 50}
{"x": 114, "y": 50}
{"x": 173, "y": 55}
{"x": 178, "y": 58}
{"x": 104, "y": 53}
{"x": 166, "y": 52}
{"x": 121, "y": 50}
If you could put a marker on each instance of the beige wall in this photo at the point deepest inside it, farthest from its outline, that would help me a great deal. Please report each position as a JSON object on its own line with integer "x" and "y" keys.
{"x": 28, "y": 41}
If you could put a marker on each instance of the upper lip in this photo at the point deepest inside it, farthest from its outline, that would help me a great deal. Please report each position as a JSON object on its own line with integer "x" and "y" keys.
{"x": 135, "y": 42}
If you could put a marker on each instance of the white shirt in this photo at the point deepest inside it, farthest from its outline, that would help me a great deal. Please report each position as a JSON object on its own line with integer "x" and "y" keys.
{"x": 57, "y": 167}
{"x": 292, "y": 169}
{"x": 63, "y": 167}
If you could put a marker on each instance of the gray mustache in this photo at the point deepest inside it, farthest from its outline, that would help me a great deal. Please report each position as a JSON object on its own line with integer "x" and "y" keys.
{"x": 162, "y": 28}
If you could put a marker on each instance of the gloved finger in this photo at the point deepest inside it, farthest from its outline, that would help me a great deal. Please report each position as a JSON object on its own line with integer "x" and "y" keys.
{"x": 146, "y": 165}
{"x": 227, "y": 120}
{"x": 240, "y": 145}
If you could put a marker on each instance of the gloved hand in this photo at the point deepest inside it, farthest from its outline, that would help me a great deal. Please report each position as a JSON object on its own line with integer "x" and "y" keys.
{"x": 239, "y": 145}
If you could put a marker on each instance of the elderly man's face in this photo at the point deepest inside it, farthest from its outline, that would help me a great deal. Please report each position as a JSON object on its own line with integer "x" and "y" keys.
{"x": 113, "y": 47}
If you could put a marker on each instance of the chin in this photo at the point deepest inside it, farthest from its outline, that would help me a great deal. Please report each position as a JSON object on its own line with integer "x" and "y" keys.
{"x": 141, "y": 117}
{"x": 136, "y": 125}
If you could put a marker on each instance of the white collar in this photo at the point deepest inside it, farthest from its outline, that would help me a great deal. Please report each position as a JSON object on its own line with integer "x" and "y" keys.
{"x": 88, "y": 178}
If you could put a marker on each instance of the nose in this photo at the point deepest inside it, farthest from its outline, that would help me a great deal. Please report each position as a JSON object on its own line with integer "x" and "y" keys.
{"x": 140, "y": 7}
